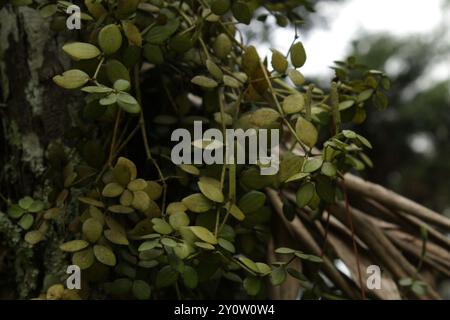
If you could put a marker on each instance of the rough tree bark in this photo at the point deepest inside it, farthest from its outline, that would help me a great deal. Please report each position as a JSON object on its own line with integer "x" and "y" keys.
{"x": 33, "y": 113}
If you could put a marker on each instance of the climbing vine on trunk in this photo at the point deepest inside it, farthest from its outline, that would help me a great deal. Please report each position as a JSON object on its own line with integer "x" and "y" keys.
{"x": 137, "y": 224}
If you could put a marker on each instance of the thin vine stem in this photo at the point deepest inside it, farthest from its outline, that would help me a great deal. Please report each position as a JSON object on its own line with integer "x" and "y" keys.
{"x": 114, "y": 137}
{"x": 280, "y": 110}
{"x": 145, "y": 139}
{"x": 224, "y": 167}
{"x": 94, "y": 77}
{"x": 355, "y": 247}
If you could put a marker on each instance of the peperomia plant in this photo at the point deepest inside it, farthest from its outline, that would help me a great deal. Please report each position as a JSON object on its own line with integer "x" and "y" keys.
{"x": 141, "y": 226}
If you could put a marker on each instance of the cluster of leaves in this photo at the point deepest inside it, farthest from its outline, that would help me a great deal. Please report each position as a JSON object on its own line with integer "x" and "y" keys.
{"x": 195, "y": 230}
{"x": 122, "y": 227}
{"x": 417, "y": 286}
{"x": 31, "y": 215}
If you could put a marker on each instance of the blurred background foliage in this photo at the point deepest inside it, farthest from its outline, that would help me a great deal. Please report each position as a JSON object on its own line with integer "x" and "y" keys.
{"x": 411, "y": 138}
{"x": 411, "y": 151}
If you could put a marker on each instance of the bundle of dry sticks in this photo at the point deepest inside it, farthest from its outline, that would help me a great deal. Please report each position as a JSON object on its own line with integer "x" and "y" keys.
{"x": 372, "y": 226}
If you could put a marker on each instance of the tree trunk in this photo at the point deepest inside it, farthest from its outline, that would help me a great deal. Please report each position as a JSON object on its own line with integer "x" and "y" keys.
{"x": 34, "y": 112}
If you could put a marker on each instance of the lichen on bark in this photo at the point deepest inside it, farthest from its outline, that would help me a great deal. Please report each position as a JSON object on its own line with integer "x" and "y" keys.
{"x": 33, "y": 112}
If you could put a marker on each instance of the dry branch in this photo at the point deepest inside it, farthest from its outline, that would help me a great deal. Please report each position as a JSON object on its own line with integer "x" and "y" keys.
{"x": 387, "y": 227}
{"x": 393, "y": 200}
{"x": 298, "y": 230}
{"x": 379, "y": 244}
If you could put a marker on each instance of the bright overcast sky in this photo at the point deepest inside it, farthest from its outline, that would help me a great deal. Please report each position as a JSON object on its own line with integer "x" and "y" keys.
{"x": 348, "y": 19}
